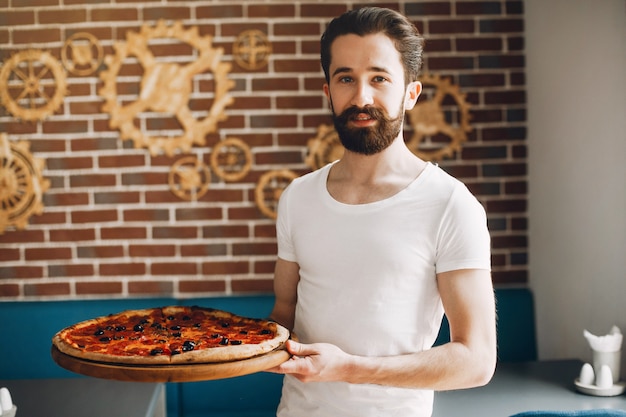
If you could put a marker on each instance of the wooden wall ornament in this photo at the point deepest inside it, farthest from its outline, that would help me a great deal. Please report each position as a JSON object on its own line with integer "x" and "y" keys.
{"x": 189, "y": 178}
{"x": 21, "y": 184}
{"x": 269, "y": 189}
{"x": 231, "y": 159}
{"x": 32, "y": 84}
{"x": 428, "y": 119}
{"x": 82, "y": 54}
{"x": 166, "y": 87}
{"x": 323, "y": 148}
{"x": 252, "y": 49}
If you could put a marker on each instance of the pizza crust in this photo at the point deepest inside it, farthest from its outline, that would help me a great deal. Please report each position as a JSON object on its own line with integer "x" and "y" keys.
{"x": 137, "y": 351}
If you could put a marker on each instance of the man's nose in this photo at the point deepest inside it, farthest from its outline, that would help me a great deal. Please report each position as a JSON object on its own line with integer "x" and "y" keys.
{"x": 363, "y": 95}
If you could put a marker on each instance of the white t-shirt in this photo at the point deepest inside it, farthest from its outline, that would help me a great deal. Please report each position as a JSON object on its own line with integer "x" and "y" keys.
{"x": 367, "y": 280}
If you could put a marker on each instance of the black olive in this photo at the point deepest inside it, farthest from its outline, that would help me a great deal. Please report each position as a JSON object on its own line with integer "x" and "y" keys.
{"x": 177, "y": 334}
{"x": 265, "y": 331}
{"x": 188, "y": 346}
{"x": 156, "y": 351}
{"x": 138, "y": 328}
{"x": 120, "y": 328}
{"x": 224, "y": 324}
{"x": 171, "y": 317}
{"x": 109, "y": 328}
{"x": 118, "y": 337}
{"x": 198, "y": 325}
{"x": 176, "y": 352}
{"x": 224, "y": 341}
{"x": 215, "y": 336}
{"x": 105, "y": 339}
{"x": 99, "y": 332}
{"x": 186, "y": 318}
{"x": 236, "y": 342}
{"x": 175, "y": 327}
{"x": 144, "y": 321}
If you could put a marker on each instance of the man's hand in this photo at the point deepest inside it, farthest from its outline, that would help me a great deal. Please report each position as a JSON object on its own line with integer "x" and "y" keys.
{"x": 315, "y": 362}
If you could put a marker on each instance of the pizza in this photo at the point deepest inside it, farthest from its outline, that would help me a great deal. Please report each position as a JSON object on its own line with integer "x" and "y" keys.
{"x": 170, "y": 335}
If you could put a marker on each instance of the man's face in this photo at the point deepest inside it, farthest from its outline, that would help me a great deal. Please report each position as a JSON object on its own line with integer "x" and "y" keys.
{"x": 367, "y": 92}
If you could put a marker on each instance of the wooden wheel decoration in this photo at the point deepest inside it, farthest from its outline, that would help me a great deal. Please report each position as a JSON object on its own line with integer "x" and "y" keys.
{"x": 252, "y": 49}
{"x": 166, "y": 87}
{"x": 32, "y": 84}
{"x": 324, "y": 148}
{"x": 82, "y": 54}
{"x": 21, "y": 184}
{"x": 269, "y": 188}
{"x": 189, "y": 178}
{"x": 428, "y": 119}
{"x": 231, "y": 159}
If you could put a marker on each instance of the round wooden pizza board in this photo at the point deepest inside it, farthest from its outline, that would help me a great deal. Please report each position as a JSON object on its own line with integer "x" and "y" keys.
{"x": 170, "y": 373}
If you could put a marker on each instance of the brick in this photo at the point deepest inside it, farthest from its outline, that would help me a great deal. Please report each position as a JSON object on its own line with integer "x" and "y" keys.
{"x": 9, "y": 254}
{"x": 65, "y": 126}
{"x": 99, "y": 252}
{"x": 204, "y": 286}
{"x": 46, "y": 289}
{"x": 9, "y": 290}
{"x": 62, "y": 16}
{"x": 174, "y": 232}
{"x": 151, "y": 251}
{"x": 203, "y": 213}
{"x": 243, "y": 249}
{"x": 225, "y": 268}
{"x": 168, "y": 13}
{"x": 450, "y": 63}
{"x": 151, "y": 287}
{"x": 65, "y": 199}
{"x": 264, "y": 267}
{"x": 219, "y": 11}
{"x": 507, "y": 206}
{"x": 119, "y": 197}
{"x": 173, "y": 268}
{"x": 100, "y": 287}
{"x": 225, "y": 231}
{"x": 124, "y": 233}
{"x": 120, "y": 161}
{"x": 147, "y": 215}
{"x": 478, "y": 44}
{"x": 501, "y": 26}
{"x": 297, "y": 66}
{"x": 479, "y": 7}
{"x": 21, "y": 236}
{"x": 114, "y": 14}
{"x": 17, "y": 17}
{"x": 46, "y": 254}
{"x": 69, "y": 163}
{"x": 75, "y": 270}
{"x": 271, "y": 10}
{"x": 451, "y": 26}
{"x": 71, "y": 235}
{"x": 501, "y": 61}
{"x": 21, "y": 272}
{"x": 94, "y": 216}
{"x": 93, "y": 180}
{"x": 123, "y": 269}
{"x": 204, "y": 250}
{"x": 427, "y": 8}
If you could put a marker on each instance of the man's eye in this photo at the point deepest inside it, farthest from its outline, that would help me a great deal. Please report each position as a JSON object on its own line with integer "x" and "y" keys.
{"x": 379, "y": 79}
{"x": 345, "y": 80}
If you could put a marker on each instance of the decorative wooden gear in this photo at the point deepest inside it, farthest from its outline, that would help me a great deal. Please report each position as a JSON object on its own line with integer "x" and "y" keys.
{"x": 324, "y": 148}
{"x": 166, "y": 88}
{"x": 32, "y": 84}
{"x": 269, "y": 188}
{"x": 189, "y": 178}
{"x": 428, "y": 119}
{"x": 21, "y": 184}
{"x": 82, "y": 54}
{"x": 252, "y": 49}
{"x": 231, "y": 159}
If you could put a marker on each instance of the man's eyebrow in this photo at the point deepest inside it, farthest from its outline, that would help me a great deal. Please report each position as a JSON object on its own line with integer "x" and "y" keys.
{"x": 342, "y": 70}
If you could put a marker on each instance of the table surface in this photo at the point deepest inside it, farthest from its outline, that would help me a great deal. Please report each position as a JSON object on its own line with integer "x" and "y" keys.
{"x": 517, "y": 387}
{"x": 80, "y": 397}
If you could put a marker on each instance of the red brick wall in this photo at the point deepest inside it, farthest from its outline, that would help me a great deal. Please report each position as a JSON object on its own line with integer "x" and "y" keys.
{"x": 111, "y": 227}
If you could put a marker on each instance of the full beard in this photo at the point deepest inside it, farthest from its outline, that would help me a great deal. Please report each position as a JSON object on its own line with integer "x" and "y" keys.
{"x": 367, "y": 140}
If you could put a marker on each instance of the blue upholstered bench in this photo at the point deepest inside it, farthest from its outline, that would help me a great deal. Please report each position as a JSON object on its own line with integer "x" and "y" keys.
{"x": 250, "y": 396}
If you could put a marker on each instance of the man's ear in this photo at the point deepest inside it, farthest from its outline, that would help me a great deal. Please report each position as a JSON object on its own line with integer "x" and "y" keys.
{"x": 326, "y": 91}
{"x": 413, "y": 92}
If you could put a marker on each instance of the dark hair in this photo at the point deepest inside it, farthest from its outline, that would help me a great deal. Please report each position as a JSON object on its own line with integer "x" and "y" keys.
{"x": 371, "y": 20}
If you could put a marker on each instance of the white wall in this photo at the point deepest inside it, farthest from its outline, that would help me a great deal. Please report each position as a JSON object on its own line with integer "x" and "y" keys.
{"x": 576, "y": 69}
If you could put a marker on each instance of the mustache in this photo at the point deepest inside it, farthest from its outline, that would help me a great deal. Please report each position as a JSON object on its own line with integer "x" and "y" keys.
{"x": 354, "y": 111}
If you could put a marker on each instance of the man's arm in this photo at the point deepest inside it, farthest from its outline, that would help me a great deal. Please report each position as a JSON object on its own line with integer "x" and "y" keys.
{"x": 467, "y": 361}
{"x": 286, "y": 278}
